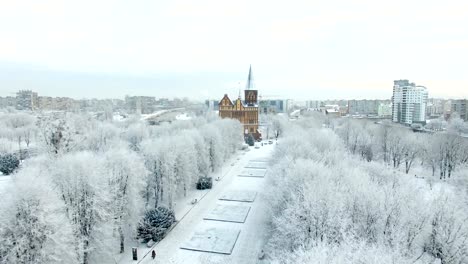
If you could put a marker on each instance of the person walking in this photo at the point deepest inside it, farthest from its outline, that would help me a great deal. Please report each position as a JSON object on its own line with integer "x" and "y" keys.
{"x": 153, "y": 254}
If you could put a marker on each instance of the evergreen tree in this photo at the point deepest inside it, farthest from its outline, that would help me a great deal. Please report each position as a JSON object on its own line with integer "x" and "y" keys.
{"x": 250, "y": 140}
{"x": 8, "y": 163}
{"x": 155, "y": 224}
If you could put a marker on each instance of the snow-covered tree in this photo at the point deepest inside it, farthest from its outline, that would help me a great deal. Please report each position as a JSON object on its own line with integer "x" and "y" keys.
{"x": 19, "y": 127}
{"x": 412, "y": 149}
{"x": 60, "y": 134}
{"x": 135, "y": 134}
{"x": 33, "y": 225}
{"x": 450, "y": 151}
{"x": 333, "y": 207}
{"x": 8, "y": 163}
{"x": 80, "y": 180}
{"x": 127, "y": 173}
{"x": 214, "y": 143}
{"x": 155, "y": 223}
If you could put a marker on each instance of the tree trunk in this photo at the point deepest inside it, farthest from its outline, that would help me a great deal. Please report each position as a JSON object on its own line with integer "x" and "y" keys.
{"x": 85, "y": 252}
{"x": 122, "y": 240}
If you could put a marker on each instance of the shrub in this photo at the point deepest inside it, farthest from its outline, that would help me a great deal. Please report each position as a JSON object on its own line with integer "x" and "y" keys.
{"x": 155, "y": 224}
{"x": 204, "y": 183}
{"x": 250, "y": 140}
{"x": 8, "y": 163}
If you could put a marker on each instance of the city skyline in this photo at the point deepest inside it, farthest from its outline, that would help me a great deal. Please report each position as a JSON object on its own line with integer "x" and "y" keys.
{"x": 174, "y": 49}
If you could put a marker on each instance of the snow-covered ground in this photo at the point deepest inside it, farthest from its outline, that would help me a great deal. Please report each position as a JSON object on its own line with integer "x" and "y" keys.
{"x": 183, "y": 116}
{"x": 5, "y": 181}
{"x": 160, "y": 113}
{"x": 252, "y": 232}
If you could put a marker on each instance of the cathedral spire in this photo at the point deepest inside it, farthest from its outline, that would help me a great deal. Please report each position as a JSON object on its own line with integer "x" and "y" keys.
{"x": 250, "y": 80}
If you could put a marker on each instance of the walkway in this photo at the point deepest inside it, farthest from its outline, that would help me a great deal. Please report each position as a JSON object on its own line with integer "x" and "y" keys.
{"x": 253, "y": 231}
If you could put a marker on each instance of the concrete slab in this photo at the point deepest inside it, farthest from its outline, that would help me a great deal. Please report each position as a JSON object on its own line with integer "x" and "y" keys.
{"x": 261, "y": 160}
{"x": 213, "y": 240}
{"x": 256, "y": 165}
{"x": 239, "y": 196}
{"x": 229, "y": 213}
{"x": 249, "y": 172}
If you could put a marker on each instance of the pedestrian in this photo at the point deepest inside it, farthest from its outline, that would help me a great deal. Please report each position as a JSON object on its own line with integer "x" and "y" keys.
{"x": 153, "y": 254}
{"x": 261, "y": 255}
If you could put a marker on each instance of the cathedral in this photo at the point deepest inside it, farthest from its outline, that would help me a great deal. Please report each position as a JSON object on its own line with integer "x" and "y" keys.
{"x": 246, "y": 111}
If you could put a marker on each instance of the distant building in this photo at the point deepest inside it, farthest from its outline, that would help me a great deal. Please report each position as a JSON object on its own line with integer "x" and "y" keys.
{"x": 26, "y": 100}
{"x": 460, "y": 107}
{"x": 385, "y": 110}
{"x": 100, "y": 105}
{"x": 315, "y": 105}
{"x": 212, "y": 105}
{"x": 273, "y": 106}
{"x": 246, "y": 111}
{"x": 340, "y": 103}
{"x": 332, "y": 110}
{"x": 363, "y": 107}
{"x": 46, "y": 102}
{"x": 368, "y": 107}
{"x": 163, "y": 102}
{"x": 140, "y": 104}
{"x": 434, "y": 108}
{"x": 408, "y": 102}
{"x": 8, "y": 101}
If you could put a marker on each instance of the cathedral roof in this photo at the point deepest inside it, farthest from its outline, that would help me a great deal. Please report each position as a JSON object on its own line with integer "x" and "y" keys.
{"x": 250, "y": 80}
{"x": 227, "y": 98}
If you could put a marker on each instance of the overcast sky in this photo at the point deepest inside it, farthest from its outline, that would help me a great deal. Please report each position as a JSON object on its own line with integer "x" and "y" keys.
{"x": 202, "y": 48}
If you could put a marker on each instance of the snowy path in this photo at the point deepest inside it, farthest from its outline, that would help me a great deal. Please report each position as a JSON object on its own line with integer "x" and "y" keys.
{"x": 253, "y": 231}
{"x": 5, "y": 181}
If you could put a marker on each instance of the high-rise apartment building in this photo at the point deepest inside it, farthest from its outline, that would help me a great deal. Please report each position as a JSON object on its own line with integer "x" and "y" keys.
{"x": 26, "y": 100}
{"x": 459, "y": 107}
{"x": 408, "y": 102}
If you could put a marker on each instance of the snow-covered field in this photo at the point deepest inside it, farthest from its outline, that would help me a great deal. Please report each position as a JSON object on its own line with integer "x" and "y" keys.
{"x": 252, "y": 231}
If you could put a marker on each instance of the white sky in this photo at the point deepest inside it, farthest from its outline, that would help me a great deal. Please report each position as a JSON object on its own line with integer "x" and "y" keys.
{"x": 202, "y": 48}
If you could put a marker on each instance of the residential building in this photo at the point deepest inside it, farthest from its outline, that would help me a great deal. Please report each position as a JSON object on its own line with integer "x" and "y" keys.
{"x": 212, "y": 105}
{"x": 314, "y": 104}
{"x": 140, "y": 104}
{"x": 363, "y": 107}
{"x": 273, "y": 106}
{"x": 385, "y": 110}
{"x": 246, "y": 111}
{"x": 164, "y": 102}
{"x": 460, "y": 107}
{"x": 437, "y": 107}
{"x": 8, "y": 101}
{"x": 368, "y": 107}
{"x": 409, "y": 102}
{"x": 26, "y": 100}
{"x": 57, "y": 103}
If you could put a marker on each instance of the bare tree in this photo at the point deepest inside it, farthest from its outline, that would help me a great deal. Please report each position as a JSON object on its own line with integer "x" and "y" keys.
{"x": 411, "y": 150}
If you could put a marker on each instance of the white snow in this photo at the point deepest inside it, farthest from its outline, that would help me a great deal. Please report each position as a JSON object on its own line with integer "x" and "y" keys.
{"x": 213, "y": 240}
{"x": 160, "y": 113}
{"x": 250, "y": 172}
{"x": 118, "y": 117}
{"x": 252, "y": 233}
{"x": 183, "y": 116}
{"x": 229, "y": 213}
{"x": 257, "y": 165}
{"x": 5, "y": 181}
{"x": 239, "y": 196}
